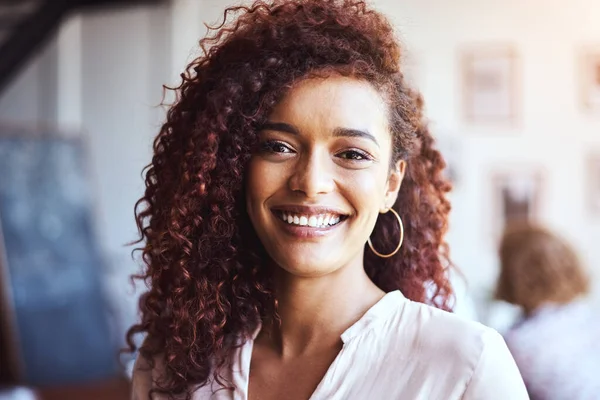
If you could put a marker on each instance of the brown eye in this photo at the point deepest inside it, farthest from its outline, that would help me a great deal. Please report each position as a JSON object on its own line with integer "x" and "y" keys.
{"x": 354, "y": 155}
{"x": 275, "y": 147}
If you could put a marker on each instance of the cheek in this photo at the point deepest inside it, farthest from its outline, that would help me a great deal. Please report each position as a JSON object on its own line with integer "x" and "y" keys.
{"x": 366, "y": 189}
{"x": 262, "y": 180}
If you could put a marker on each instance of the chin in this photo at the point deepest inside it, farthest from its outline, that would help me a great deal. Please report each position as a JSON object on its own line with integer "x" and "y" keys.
{"x": 302, "y": 267}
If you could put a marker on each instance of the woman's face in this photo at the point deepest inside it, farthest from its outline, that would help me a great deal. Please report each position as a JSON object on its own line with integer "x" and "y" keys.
{"x": 322, "y": 175}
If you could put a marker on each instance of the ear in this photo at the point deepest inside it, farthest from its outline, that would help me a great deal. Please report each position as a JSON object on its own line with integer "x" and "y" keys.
{"x": 393, "y": 185}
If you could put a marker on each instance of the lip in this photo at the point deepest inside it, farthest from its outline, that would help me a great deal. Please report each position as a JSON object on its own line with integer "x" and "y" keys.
{"x": 307, "y": 232}
{"x": 309, "y": 210}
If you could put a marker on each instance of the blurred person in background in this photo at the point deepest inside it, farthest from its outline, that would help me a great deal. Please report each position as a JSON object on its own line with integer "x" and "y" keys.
{"x": 556, "y": 343}
{"x": 275, "y": 248}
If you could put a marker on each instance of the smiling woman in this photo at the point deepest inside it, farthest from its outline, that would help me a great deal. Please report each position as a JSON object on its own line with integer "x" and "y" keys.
{"x": 274, "y": 266}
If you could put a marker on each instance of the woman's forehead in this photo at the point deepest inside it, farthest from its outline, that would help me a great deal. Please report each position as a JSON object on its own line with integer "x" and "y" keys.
{"x": 331, "y": 103}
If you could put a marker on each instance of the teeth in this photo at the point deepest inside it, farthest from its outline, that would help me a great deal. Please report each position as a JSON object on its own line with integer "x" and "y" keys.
{"x": 314, "y": 221}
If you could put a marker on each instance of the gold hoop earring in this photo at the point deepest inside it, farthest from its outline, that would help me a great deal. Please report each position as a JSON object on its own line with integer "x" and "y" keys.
{"x": 399, "y": 244}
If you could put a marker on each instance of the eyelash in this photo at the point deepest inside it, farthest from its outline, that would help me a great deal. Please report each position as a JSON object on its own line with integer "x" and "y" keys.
{"x": 272, "y": 146}
{"x": 363, "y": 156}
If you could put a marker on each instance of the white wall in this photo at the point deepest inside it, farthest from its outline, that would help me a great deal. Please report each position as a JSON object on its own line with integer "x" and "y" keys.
{"x": 124, "y": 63}
{"x": 554, "y": 133}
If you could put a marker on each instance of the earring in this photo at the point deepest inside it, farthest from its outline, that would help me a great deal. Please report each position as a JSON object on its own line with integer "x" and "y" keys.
{"x": 399, "y": 244}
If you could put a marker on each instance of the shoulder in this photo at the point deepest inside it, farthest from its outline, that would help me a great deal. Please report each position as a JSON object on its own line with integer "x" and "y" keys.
{"x": 444, "y": 333}
{"x": 446, "y": 344}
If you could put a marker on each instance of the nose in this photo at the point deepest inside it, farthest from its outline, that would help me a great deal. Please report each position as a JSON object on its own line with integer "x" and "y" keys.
{"x": 313, "y": 175}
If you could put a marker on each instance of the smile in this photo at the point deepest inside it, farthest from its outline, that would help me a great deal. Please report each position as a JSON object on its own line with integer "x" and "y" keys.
{"x": 309, "y": 222}
{"x": 313, "y": 221}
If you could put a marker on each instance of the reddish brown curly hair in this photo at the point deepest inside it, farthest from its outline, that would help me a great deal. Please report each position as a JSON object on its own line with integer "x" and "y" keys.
{"x": 204, "y": 262}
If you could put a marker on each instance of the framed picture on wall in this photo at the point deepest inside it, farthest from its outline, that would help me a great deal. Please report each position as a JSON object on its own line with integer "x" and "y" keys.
{"x": 593, "y": 182}
{"x": 517, "y": 196}
{"x": 590, "y": 79}
{"x": 490, "y": 85}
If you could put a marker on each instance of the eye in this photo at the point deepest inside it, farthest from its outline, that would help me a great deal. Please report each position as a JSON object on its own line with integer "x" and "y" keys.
{"x": 354, "y": 155}
{"x": 273, "y": 146}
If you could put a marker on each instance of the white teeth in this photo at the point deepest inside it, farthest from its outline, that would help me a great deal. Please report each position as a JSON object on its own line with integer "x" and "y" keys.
{"x": 314, "y": 221}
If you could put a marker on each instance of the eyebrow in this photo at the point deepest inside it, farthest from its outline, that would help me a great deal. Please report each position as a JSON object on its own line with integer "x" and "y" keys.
{"x": 355, "y": 133}
{"x": 280, "y": 127}
{"x": 338, "y": 132}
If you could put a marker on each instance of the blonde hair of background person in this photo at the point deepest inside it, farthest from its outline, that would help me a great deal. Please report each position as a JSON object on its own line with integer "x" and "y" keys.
{"x": 555, "y": 344}
{"x": 538, "y": 267}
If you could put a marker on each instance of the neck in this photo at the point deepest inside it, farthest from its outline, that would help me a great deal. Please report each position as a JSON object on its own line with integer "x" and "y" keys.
{"x": 314, "y": 312}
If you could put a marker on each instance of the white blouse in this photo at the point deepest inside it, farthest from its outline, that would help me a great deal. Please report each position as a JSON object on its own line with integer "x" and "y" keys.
{"x": 399, "y": 349}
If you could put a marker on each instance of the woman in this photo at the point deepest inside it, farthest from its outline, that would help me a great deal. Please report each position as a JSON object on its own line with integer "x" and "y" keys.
{"x": 275, "y": 268}
{"x": 556, "y": 343}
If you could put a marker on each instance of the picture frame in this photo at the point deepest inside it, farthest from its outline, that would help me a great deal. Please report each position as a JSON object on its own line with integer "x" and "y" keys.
{"x": 589, "y": 73}
{"x": 516, "y": 196}
{"x": 490, "y": 85}
{"x": 593, "y": 183}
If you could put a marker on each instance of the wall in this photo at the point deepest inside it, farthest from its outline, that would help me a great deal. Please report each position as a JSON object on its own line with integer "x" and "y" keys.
{"x": 554, "y": 132}
{"x": 124, "y": 63}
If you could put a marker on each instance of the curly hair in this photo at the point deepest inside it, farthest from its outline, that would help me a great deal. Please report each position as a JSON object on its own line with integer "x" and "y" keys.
{"x": 204, "y": 264}
{"x": 536, "y": 267}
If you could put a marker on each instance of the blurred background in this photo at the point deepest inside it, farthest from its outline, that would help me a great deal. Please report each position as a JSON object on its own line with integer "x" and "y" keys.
{"x": 512, "y": 91}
